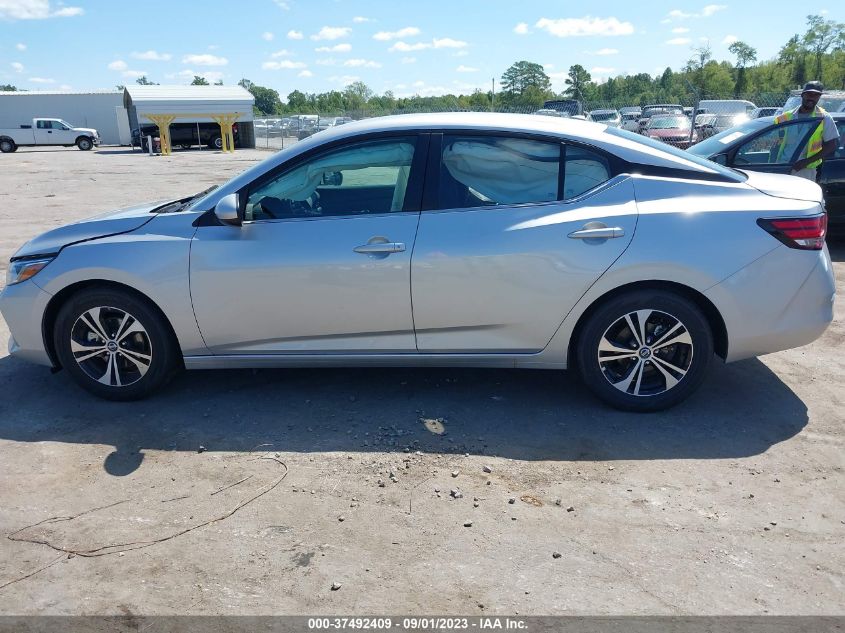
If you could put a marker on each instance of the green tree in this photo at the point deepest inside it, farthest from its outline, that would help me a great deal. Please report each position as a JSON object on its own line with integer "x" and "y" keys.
{"x": 794, "y": 55}
{"x": 745, "y": 54}
{"x": 820, "y": 37}
{"x": 143, "y": 81}
{"x": 199, "y": 81}
{"x": 8, "y": 88}
{"x": 576, "y": 82}
{"x": 297, "y": 101}
{"x": 246, "y": 84}
{"x": 120, "y": 87}
{"x": 357, "y": 95}
{"x": 219, "y": 82}
{"x": 522, "y": 75}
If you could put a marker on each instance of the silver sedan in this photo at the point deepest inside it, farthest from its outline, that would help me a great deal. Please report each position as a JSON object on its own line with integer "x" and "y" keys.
{"x": 484, "y": 240}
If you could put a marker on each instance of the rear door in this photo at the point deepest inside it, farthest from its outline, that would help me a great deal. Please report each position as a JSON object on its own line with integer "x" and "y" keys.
{"x": 511, "y": 241}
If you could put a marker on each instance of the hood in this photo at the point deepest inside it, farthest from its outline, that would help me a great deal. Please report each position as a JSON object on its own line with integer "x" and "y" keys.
{"x": 89, "y": 130}
{"x": 783, "y": 186}
{"x": 112, "y": 223}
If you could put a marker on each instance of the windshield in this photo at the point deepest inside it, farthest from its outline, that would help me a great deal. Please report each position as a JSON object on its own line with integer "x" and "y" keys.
{"x": 710, "y": 166}
{"x": 669, "y": 122}
{"x": 649, "y": 111}
{"x": 716, "y": 144}
{"x": 66, "y": 124}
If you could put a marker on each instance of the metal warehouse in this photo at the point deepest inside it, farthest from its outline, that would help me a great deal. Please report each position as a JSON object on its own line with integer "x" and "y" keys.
{"x": 164, "y": 105}
{"x": 103, "y": 111}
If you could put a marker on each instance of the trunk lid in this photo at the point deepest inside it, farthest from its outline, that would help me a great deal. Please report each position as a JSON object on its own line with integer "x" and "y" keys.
{"x": 783, "y": 186}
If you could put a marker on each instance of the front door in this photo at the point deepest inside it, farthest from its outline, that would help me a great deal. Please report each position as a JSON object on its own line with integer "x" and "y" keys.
{"x": 322, "y": 260}
{"x": 513, "y": 242}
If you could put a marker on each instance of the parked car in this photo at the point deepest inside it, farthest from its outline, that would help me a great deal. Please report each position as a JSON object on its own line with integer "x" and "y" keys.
{"x": 707, "y": 125}
{"x": 608, "y": 117}
{"x": 756, "y": 145}
{"x": 549, "y": 112}
{"x": 674, "y": 129}
{"x": 725, "y": 106}
{"x": 630, "y": 121}
{"x": 186, "y": 135}
{"x": 658, "y": 108}
{"x": 48, "y": 132}
{"x": 757, "y": 113}
{"x": 567, "y": 107}
{"x": 460, "y": 239}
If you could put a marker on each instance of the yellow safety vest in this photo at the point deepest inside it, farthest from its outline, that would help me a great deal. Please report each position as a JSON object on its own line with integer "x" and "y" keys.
{"x": 816, "y": 142}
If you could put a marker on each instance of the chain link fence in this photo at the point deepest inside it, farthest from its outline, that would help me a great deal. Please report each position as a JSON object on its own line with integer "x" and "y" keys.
{"x": 681, "y": 123}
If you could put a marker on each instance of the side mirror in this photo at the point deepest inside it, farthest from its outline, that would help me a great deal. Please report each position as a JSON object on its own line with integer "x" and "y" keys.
{"x": 722, "y": 159}
{"x": 226, "y": 210}
{"x": 333, "y": 178}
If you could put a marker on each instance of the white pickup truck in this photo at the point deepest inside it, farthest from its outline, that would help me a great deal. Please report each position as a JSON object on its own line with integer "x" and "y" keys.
{"x": 47, "y": 132}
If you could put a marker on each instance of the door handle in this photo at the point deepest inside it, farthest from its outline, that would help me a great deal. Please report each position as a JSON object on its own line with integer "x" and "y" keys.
{"x": 601, "y": 233}
{"x": 380, "y": 248}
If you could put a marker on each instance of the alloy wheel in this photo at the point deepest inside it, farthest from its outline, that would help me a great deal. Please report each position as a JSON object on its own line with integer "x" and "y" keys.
{"x": 111, "y": 346}
{"x": 645, "y": 352}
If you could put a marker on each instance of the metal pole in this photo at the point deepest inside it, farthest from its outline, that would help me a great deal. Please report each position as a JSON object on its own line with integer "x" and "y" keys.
{"x": 150, "y": 144}
{"x": 493, "y": 97}
{"x": 199, "y": 139}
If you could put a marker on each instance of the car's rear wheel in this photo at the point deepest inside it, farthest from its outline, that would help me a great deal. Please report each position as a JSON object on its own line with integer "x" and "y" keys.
{"x": 216, "y": 142}
{"x": 7, "y": 146}
{"x": 114, "y": 344}
{"x": 84, "y": 143}
{"x": 644, "y": 350}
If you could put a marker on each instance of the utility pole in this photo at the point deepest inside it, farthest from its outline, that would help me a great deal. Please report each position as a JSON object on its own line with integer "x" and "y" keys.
{"x": 493, "y": 97}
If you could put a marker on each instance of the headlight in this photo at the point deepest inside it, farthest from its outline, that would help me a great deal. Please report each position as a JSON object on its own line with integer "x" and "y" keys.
{"x": 24, "y": 269}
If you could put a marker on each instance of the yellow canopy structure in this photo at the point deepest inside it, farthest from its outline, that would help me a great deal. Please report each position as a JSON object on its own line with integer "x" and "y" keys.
{"x": 225, "y": 121}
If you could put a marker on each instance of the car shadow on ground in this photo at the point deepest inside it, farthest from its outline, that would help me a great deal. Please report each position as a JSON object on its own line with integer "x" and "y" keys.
{"x": 742, "y": 409}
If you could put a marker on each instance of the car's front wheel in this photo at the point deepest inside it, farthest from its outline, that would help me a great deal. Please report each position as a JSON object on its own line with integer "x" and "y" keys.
{"x": 114, "y": 344}
{"x": 644, "y": 350}
{"x": 7, "y": 146}
{"x": 84, "y": 143}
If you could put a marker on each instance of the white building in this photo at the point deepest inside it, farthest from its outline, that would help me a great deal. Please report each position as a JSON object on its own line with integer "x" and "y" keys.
{"x": 103, "y": 111}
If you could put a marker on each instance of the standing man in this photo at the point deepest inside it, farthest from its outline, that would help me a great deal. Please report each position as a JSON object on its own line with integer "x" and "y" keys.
{"x": 824, "y": 139}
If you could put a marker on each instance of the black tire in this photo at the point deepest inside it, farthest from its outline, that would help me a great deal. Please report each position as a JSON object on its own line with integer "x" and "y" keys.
{"x": 84, "y": 143}
{"x": 185, "y": 145}
{"x": 7, "y": 146}
{"x": 145, "y": 337}
{"x": 652, "y": 376}
{"x": 216, "y": 142}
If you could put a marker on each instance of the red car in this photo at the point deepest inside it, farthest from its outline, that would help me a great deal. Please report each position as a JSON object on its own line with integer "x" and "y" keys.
{"x": 674, "y": 129}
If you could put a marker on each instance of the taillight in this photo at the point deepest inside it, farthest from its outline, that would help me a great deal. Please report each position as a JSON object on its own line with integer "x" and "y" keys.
{"x": 805, "y": 233}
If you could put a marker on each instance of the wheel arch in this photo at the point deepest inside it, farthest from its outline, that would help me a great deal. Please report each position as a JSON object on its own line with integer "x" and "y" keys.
{"x": 55, "y": 304}
{"x": 711, "y": 313}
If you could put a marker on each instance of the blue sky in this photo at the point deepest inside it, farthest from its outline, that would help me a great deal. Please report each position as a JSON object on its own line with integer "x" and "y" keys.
{"x": 427, "y": 48}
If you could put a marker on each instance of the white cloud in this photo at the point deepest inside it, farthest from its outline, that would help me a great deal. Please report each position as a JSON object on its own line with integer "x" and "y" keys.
{"x": 362, "y": 63}
{"x": 678, "y": 41}
{"x": 281, "y": 53}
{"x": 601, "y": 70}
{"x": 548, "y": 66}
{"x": 419, "y": 84}
{"x": 282, "y": 4}
{"x": 205, "y": 60}
{"x": 66, "y": 87}
{"x": 295, "y": 35}
{"x": 407, "y": 48}
{"x": 575, "y": 27}
{"x": 408, "y": 31}
{"x": 18, "y": 67}
{"x": 460, "y": 53}
{"x": 118, "y": 64}
{"x": 188, "y": 75}
{"x": 680, "y": 29}
{"x": 305, "y": 73}
{"x": 327, "y": 61}
{"x": 284, "y": 64}
{"x": 447, "y": 42}
{"x": 332, "y": 33}
{"x": 133, "y": 74}
{"x": 606, "y": 51}
{"x": 466, "y": 69}
{"x": 337, "y": 48}
{"x": 521, "y": 29}
{"x": 35, "y": 10}
{"x": 20, "y": 47}
{"x": 730, "y": 39}
{"x": 213, "y": 47}
{"x": 706, "y": 12}
{"x": 41, "y": 80}
{"x": 344, "y": 80}
{"x": 409, "y": 60}
{"x": 267, "y": 36}
{"x": 360, "y": 19}
{"x": 153, "y": 56}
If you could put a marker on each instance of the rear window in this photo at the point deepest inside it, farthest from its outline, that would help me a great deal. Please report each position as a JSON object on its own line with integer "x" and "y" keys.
{"x": 729, "y": 174}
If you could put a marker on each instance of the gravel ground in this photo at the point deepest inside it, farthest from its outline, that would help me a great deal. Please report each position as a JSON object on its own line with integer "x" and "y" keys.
{"x": 254, "y": 491}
